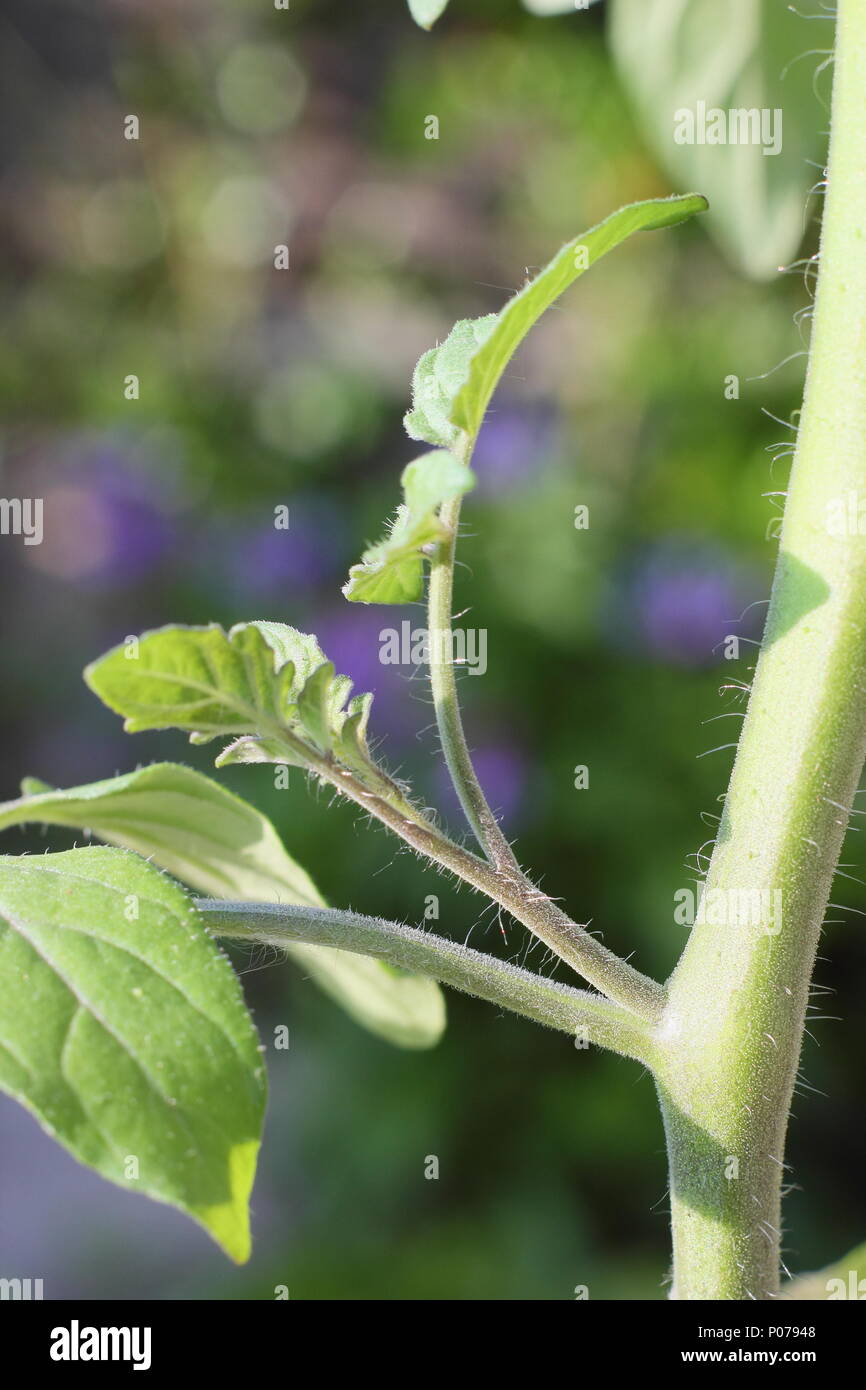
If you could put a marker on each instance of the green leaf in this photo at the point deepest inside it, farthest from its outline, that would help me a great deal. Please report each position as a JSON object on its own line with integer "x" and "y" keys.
{"x": 265, "y": 684}
{"x": 841, "y": 1280}
{"x": 745, "y": 55}
{"x": 125, "y": 1033}
{"x": 33, "y": 786}
{"x": 404, "y": 1009}
{"x": 262, "y": 679}
{"x": 437, "y": 378}
{"x": 426, "y": 12}
{"x": 204, "y": 680}
{"x": 191, "y": 826}
{"x": 451, "y": 389}
{"x": 354, "y": 751}
{"x": 550, "y": 7}
{"x": 393, "y": 570}
{"x": 315, "y": 706}
{"x": 485, "y": 366}
{"x": 221, "y": 846}
{"x": 453, "y": 383}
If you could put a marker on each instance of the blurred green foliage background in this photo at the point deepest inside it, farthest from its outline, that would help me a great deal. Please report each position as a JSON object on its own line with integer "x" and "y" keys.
{"x": 262, "y": 387}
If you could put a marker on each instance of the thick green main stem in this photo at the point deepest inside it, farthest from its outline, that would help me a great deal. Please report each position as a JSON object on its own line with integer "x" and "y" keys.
{"x": 737, "y": 1000}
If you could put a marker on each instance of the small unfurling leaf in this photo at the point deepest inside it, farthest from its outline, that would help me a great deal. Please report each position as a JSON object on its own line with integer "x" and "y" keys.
{"x": 438, "y": 377}
{"x": 453, "y": 383}
{"x": 392, "y": 571}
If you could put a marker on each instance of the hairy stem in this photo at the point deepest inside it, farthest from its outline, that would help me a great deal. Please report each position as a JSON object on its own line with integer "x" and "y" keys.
{"x": 511, "y": 886}
{"x": 513, "y": 891}
{"x": 383, "y": 798}
{"x": 738, "y": 998}
{"x": 446, "y": 704}
{"x": 587, "y": 1017}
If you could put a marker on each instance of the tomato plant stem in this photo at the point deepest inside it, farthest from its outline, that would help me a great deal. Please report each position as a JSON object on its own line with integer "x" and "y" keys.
{"x": 737, "y": 1002}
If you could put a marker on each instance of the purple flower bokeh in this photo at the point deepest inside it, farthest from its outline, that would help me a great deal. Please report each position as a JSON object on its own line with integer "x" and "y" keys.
{"x": 679, "y": 601}
{"x": 515, "y": 441}
{"x": 107, "y": 519}
{"x": 142, "y": 535}
{"x": 504, "y": 774}
{"x": 351, "y": 637}
{"x": 261, "y": 560}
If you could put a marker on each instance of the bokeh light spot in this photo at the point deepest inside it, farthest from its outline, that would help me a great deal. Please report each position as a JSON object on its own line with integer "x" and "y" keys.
{"x": 260, "y": 89}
